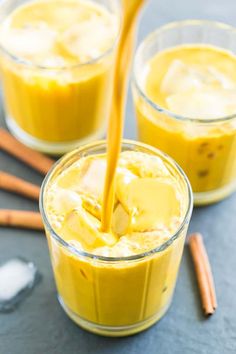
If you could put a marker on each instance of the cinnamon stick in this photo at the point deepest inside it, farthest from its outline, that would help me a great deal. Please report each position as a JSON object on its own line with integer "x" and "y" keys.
{"x": 209, "y": 274}
{"x": 30, "y": 157}
{"x": 203, "y": 273}
{"x": 22, "y": 219}
{"x": 17, "y": 185}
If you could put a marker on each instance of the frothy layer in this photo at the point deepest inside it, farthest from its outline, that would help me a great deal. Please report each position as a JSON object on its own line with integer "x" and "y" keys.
{"x": 59, "y": 33}
{"x": 149, "y": 206}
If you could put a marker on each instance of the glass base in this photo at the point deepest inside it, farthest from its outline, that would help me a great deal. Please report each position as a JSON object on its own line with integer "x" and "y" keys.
{"x": 46, "y": 146}
{"x": 211, "y": 197}
{"x": 112, "y": 331}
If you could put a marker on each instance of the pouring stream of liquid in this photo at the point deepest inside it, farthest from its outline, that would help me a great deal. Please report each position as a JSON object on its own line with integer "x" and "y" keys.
{"x": 115, "y": 127}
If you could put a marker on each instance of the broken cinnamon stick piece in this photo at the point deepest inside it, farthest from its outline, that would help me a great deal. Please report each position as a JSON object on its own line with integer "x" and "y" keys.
{"x": 30, "y": 157}
{"x": 203, "y": 273}
{"x": 17, "y": 185}
{"x": 21, "y": 218}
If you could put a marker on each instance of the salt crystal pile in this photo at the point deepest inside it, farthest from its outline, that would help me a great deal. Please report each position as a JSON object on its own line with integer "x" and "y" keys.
{"x": 17, "y": 277}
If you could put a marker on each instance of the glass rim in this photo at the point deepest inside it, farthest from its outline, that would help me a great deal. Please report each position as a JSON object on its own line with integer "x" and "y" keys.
{"x": 150, "y": 38}
{"x": 30, "y": 65}
{"x": 80, "y": 253}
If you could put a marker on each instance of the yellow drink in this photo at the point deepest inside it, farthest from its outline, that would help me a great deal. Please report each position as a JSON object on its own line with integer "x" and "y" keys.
{"x": 185, "y": 100}
{"x": 57, "y": 71}
{"x": 121, "y": 282}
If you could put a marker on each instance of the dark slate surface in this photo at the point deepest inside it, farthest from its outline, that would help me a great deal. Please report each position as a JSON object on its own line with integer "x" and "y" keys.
{"x": 39, "y": 324}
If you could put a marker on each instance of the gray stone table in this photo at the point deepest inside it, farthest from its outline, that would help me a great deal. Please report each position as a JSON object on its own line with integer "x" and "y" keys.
{"x": 40, "y": 326}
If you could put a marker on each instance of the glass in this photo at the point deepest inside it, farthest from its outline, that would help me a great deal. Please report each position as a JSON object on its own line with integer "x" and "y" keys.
{"x": 56, "y": 109}
{"x": 108, "y": 295}
{"x": 205, "y": 149}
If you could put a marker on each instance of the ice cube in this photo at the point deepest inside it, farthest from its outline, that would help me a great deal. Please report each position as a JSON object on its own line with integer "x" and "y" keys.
{"x": 28, "y": 42}
{"x": 17, "y": 277}
{"x": 181, "y": 77}
{"x": 61, "y": 201}
{"x": 220, "y": 78}
{"x": 88, "y": 39}
{"x": 81, "y": 226}
{"x": 142, "y": 164}
{"x": 62, "y": 15}
{"x": 103, "y": 251}
{"x": 121, "y": 220}
{"x": 204, "y": 103}
{"x": 53, "y": 61}
{"x": 87, "y": 176}
{"x": 151, "y": 202}
{"x": 123, "y": 178}
{"x": 92, "y": 206}
{"x": 92, "y": 178}
{"x": 123, "y": 248}
{"x": 144, "y": 241}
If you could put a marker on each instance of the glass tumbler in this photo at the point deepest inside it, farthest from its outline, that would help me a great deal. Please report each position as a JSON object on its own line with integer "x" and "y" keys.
{"x": 115, "y": 296}
{"x": 55, "y": 109}
{"x": 204, "y": 148}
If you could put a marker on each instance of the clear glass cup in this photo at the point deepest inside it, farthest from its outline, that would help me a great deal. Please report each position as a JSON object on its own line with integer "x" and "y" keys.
{"x": 108, "y": 295}
{"x": 205, "y": 149}
{"x": 55, "y": 110}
